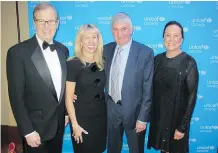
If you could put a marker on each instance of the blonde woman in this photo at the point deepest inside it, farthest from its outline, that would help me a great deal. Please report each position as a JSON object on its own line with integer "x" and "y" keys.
{"x": 86, "y": 79}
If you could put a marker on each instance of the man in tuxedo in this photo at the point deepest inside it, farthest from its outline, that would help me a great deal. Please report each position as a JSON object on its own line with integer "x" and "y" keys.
{"x": 36, "y": 73}
{"x": 129, "y": 71}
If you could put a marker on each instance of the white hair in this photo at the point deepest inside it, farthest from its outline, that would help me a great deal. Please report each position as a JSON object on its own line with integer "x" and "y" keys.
{"x": 122, "y": 17}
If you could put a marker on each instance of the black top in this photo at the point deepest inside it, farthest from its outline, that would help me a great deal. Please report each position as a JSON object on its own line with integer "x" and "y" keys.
{"x": 89, "y": 89}
{"x": 174, "y": 95}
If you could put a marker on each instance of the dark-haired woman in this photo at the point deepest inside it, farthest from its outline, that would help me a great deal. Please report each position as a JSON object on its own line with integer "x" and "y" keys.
{"x": 175, "y": 86}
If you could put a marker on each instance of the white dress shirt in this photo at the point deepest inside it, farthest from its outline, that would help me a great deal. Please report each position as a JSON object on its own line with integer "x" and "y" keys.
{"x": 54, "y": 66}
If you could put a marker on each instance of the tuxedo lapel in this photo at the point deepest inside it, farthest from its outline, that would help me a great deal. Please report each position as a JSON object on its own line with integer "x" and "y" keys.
{"x": 41, "y": 66}
{"x": 62, "y": 60}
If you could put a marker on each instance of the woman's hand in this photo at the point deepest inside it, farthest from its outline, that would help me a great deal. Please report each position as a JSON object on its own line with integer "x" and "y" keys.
{"x": 77, "y": 133}
{"x": 178, "y": 135}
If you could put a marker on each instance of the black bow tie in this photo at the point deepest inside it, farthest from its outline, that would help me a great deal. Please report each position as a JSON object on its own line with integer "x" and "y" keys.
{"x": 45, "y": 45}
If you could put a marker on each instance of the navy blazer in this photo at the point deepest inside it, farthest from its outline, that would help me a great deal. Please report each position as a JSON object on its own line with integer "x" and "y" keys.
{"x": 136, "y": 90}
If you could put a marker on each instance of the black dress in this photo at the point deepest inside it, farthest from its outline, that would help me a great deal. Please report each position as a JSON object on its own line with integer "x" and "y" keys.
{"x": 174, "y": 94}
{"x": 90, "y": 106}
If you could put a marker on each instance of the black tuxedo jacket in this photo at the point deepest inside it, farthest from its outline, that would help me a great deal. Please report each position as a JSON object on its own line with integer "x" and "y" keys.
{"x": 31, "y": 90}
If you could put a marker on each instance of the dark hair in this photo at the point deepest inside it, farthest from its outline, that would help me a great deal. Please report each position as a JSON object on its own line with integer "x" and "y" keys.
{"x": 174, "y": 23}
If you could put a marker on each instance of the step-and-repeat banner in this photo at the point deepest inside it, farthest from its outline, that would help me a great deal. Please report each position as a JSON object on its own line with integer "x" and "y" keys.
{"x": 200, "y": 22}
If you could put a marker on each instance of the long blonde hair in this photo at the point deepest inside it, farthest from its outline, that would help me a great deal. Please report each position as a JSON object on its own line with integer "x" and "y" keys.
{"x": 98, "y": 55}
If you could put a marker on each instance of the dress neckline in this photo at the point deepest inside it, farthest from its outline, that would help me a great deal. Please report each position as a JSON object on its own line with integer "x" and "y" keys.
{"x": 168, "y": 58}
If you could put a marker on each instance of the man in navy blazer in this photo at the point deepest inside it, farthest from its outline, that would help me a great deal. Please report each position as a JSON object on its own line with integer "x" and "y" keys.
{"x": 129, "y": 71}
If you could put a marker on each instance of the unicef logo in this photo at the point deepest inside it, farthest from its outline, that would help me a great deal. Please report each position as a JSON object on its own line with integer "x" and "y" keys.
{"x": 209, "y": 20}
{"x": 203, "y": 72}
{"x": 205, "y": 148}
{"x": 196, "y": 118}
{"x": 82, "y": 4}
{"x": 215, "y": 31}
{"x": 185, "y": 29}
{"x": 212, "y": 147}
{"x": 155, "y": 46}
{"x": 178, "y": 4}
{"x": 76, "y": 27}
{"x": 127, "y": 4}
{"x": 153, "y": 20}
{"x": 206, "y": 47}
{"x": 64, "y": 19}
{"x": 211, "y": 107}
{"x": 201, "y": 22}
{"x": 69, "y": 17}
{"x": 139, "y": 2}
{"x": 160, "y": 45}
{"x": 193, "y": 140}
{"x": 214, "y": 60}
{"x": 70, "y": 44}
{"x": 162, "y": 18}
{"x": 198, "y": 48}
{"x": 104, "y": 19}
{"x": 125, "y": 146}
{"x": 137, "y": 28}
{"x": 187, "y": 2}
{"x": 67, "y": 136}
{"x": 200, "y": 97}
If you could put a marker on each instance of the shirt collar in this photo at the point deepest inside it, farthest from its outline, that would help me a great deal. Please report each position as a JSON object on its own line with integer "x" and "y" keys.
{"x": 40, "y": 41}
{"x": 126, "y": 46}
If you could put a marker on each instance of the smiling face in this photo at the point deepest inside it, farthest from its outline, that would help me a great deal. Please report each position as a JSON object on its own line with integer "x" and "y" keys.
{"x": 122, "y": 32}
{"x": 47, "y": 30}
{"x": 89, "y": 41}
{"x": 173, "y": 38}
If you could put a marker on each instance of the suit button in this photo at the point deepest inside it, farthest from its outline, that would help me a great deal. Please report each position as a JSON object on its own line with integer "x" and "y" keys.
{"x": 167, "y": 128}
{"x": 163, "y": 140}
{"x": 119, "y": 102}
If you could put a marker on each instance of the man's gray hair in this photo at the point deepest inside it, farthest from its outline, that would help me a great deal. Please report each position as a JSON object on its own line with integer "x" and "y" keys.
{"x": 121, "y": 17}
{"x": 42, "y": 6}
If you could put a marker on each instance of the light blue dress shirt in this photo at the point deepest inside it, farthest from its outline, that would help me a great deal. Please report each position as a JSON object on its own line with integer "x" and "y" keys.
{"x": 124, "y": 54}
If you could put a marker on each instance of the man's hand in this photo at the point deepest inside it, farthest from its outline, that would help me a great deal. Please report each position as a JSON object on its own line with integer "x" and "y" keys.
{"x": 74, "y": 97}
{"x": 140, "y": 126}
{"x": 33, "y": 139}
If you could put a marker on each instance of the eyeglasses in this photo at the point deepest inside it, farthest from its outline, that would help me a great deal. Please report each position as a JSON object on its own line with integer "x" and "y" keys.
{"x": 49, "y": 22}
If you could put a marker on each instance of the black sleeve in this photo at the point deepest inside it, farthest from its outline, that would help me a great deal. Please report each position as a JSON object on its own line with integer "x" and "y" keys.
{"x": 16, "y": 89}
{"x": 73, "y": 69}
{"x": 192, "y": 85}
